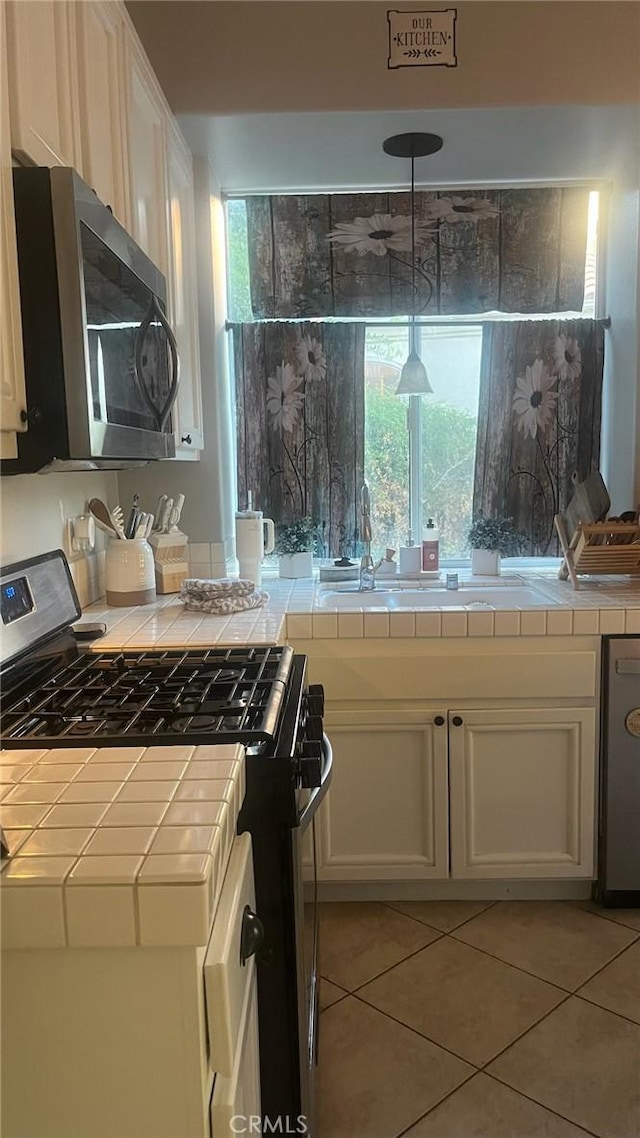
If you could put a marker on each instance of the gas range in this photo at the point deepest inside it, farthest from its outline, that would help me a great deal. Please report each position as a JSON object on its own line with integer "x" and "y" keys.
{"x": 235, "y": 694}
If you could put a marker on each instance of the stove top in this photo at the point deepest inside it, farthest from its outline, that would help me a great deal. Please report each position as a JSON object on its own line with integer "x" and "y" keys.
{"x": 234, "y": 694}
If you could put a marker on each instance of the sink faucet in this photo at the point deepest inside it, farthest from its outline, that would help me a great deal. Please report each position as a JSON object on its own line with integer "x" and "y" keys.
{"x": 368, "y": 569}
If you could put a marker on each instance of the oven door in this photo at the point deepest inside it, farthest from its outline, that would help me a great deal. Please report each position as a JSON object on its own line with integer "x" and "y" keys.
{"x": 305, "y": 879}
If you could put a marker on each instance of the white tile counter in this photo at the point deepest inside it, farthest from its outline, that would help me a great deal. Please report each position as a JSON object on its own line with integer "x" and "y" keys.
{"x": 602, "y": 606}
{"x": 116, "y": 846}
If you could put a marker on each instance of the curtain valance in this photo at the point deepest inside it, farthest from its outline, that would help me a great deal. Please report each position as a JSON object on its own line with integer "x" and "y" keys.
{"x": 511, "y": 250}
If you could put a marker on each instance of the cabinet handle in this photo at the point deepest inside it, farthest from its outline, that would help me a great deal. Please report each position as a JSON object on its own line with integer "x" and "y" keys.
{"x": 439, "y": 720}
{"x": 251, "y": 936}
{"x": 457, "y": 721}
{"x": 186, "y": 439}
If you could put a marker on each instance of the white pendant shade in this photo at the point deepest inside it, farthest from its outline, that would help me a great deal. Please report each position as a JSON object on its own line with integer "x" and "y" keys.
{"x": 413, "y": 377}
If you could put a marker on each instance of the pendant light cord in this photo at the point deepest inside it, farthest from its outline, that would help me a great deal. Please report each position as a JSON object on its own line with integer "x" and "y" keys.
{"x": 413, "y": 254}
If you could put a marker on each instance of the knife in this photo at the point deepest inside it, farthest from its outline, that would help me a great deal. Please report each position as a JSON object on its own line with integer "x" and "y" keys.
{"x": 158, "y": 515}
{"x": 174, "y": 516}
{"x": 163, "y": 520}
{"x": 130, "y": 527}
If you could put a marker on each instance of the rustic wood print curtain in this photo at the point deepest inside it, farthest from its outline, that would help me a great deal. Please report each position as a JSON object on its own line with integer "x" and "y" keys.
{"x": 515, "y": 250}
{"x": 300, "y": 424}
{"x": 538, "y": 421}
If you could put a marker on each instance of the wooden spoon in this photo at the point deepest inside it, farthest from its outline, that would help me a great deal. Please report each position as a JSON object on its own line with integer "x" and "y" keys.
{"x": 102, "y": 516}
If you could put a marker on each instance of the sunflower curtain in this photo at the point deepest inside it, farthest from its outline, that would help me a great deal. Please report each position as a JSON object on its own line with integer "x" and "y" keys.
{"x": 538, "y": 421}
{"x": 300, "y": 424}
{"x": 350, "y": 254}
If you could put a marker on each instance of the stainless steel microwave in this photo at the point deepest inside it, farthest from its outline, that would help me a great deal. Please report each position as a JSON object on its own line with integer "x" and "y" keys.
{"x": 101, "y": 360}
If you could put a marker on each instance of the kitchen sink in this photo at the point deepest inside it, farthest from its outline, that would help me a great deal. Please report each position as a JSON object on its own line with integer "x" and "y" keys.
{"x": 473, "y": 597}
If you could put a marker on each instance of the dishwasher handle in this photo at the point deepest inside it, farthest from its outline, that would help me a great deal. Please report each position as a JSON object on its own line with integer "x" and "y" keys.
{"x": 628, "y": 667}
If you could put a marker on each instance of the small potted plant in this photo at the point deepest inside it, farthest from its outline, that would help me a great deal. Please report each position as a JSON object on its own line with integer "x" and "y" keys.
{"x": 491, "y": 538}
{"x": 294, "y": 545}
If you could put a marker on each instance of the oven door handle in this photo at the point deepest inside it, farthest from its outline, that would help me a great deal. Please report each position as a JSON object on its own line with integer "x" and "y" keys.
{"x": 320, "y": 791}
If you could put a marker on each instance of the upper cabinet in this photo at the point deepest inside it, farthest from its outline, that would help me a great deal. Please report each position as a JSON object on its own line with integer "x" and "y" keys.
{"x": 183, "y": 299}
{"x": 12, "y": 391}
{"x": 147, "y": 130}
{"x": 81, "y": 93}
{"x": 44, "y": 100}
{"x": 100, "y": 41}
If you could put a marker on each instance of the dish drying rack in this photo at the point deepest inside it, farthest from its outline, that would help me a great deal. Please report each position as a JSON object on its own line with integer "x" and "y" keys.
{"x": 598, "y": 547}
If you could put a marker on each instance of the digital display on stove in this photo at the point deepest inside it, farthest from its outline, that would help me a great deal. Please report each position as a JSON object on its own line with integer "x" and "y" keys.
{"x": 15, "y": 600}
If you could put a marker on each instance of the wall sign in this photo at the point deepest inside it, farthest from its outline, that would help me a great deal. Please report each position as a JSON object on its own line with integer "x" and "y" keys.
{"x": 422, "y": 39}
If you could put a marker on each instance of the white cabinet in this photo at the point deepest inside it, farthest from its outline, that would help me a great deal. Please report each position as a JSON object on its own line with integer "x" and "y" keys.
{"x": 514, "y": 788}
{"x": 12, "y": 390}
{"x": 522, "y": 792}
{"x": 41, "y": 54}
{"x": 100, "y": 46}
{"x": 385, "y": 818}
{"x": 147, "y": 127}
{"x": 183, "y": 298}
{"x": 463, "y": 759}
{"x": 237, "y": 1097}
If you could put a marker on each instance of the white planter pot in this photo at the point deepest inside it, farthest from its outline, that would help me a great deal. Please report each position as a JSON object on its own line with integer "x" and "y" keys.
{"x": 295, "y": 565}
{"x": 485, "y": 563}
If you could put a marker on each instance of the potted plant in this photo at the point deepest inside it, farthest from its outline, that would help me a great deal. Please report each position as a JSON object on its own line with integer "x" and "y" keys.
{"x": 294, "y": 545}
{"x": 491, "y": 538}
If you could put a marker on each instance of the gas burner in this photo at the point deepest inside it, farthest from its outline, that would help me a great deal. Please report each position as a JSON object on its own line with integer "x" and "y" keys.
{"x": 235, "y": 694}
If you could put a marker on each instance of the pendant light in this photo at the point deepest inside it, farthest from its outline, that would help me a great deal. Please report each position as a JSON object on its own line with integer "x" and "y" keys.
{"x": 413, "y": 377}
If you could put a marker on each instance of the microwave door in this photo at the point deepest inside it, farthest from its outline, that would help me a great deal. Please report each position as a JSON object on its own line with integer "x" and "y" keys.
{"x": 127, "y": 418}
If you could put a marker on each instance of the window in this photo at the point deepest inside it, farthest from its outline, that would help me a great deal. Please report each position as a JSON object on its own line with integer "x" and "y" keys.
{"x": 419, "y": 453}
{"x": 442, "y": 429}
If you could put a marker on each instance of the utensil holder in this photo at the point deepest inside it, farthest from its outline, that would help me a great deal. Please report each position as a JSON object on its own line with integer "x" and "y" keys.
{"x": 171, "y": 565}
{"x": 129, "y": 573}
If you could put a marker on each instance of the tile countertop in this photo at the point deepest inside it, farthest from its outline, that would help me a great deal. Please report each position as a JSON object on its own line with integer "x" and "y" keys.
{"x": 602, "y": 606}
{"x": 116, "y": 846}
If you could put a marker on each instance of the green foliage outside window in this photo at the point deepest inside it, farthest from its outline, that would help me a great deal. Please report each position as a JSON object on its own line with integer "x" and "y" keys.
{"x": 449, "y": 439}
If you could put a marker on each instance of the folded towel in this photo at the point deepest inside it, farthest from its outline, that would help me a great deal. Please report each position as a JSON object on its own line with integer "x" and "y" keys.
{"x": 201, "y": 588}
{"x": 222, "y": 596}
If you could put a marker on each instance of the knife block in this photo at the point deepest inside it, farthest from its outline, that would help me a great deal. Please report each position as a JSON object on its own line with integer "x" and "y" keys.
{"x": 171, "y": 565}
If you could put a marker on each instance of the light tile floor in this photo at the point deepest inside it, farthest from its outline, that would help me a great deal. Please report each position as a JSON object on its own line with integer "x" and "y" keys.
{"x": 455, "y": 1019}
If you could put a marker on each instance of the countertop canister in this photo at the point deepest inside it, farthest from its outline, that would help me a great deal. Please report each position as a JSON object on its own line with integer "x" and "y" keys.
{"x": 129, "y": 572}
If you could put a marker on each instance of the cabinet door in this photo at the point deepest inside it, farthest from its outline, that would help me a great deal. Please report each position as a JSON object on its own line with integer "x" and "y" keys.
{"x": 41, "y": 53}
{"x": 183, "y": 297}
{"x": 12, "y": 392}
{"x": 236, "y": 1098}
{"x": 100, "y": 38}
{"x": 147, "y": 119}
{"x": 385, "y": 817}
{"x": 522, "y": 792}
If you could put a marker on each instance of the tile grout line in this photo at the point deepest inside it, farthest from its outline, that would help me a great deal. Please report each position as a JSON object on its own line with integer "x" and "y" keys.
{"x": 602, "y": 1008}
{"x": 444, "y": 932}
{"x": 414, "y": 1031}
{"x": 577, "y": 904}
{"x": 352, "y": 991}
{"x": 535, "y": 976}
{"x": 435, "y": 1106}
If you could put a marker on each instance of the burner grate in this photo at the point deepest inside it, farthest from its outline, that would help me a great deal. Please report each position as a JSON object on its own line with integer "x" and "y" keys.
{"x": 234, "y": 694}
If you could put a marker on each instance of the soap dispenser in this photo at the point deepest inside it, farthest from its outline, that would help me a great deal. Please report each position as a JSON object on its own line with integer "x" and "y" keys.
{"x": 431, "y": 548}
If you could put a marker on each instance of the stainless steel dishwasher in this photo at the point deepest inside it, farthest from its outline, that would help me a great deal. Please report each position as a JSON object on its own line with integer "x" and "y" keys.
{"x": 619, "y": 830}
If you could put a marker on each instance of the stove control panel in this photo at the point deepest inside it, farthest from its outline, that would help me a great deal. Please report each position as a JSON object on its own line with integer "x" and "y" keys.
{"x": 15, "y": 599}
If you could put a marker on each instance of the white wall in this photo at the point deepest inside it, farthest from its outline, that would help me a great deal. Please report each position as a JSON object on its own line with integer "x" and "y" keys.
{"x": 32, "y": 512}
